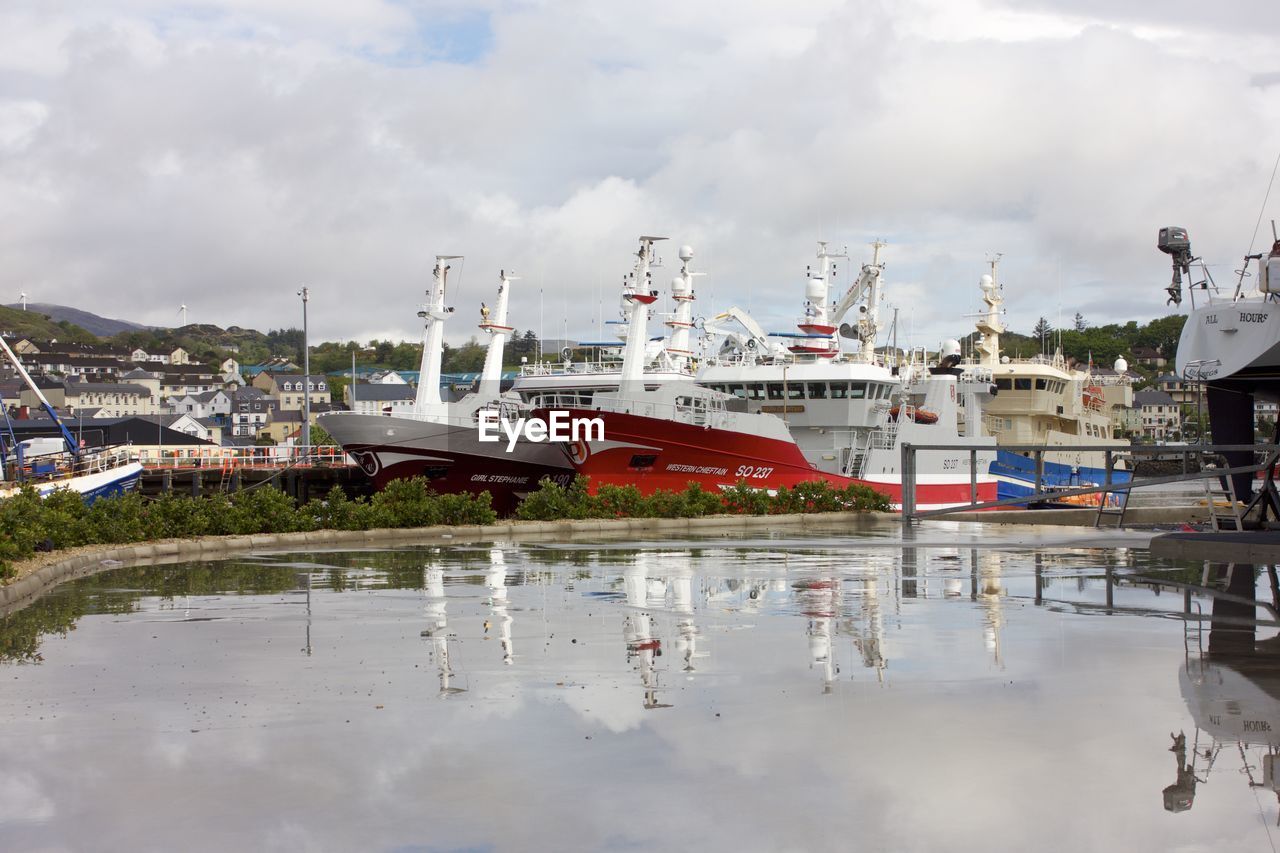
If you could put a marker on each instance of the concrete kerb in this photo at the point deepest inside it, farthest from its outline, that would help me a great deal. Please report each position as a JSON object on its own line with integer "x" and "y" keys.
{"x": 22, "y": 591}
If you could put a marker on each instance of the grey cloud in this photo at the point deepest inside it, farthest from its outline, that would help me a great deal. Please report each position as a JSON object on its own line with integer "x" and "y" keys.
{"x": 221, "y": 161}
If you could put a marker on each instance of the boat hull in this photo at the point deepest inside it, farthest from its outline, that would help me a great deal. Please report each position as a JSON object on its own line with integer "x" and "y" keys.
{"x": 1016, "y": 475}
{"x": 450, "y": 456}
{"x": 99, "y": 484}
{"x": 1233, "y": 347}
{"x": 655, "y": 454}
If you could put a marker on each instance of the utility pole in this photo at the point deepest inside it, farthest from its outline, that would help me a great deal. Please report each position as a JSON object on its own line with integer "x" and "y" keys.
{"x": 306, "y": 374}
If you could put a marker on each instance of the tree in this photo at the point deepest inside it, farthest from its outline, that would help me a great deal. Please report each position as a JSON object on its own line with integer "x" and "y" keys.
{"x": 1080, "y": 324}
{"x": 1042, "y": 332}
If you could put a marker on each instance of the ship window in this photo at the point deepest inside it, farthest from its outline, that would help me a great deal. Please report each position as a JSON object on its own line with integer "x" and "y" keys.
{"x": 1004, "y": 384}
{"x": 795, "y": 391}
{"x": 736, "y": 390}
{"x": 857, "y": 390}
{"x": 755, "y": 391}
{"x": 1022, "y": 384}
{"x": 1041, "y": 384}
{"x": 775, "y": 391}
{"x": 839, "y": 390}
{"x": 643, "y": 461}
{"x": 817, "y": 390}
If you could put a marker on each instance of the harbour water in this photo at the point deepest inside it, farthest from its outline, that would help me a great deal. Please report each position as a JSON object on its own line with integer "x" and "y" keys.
{"x": 970, "y": 688}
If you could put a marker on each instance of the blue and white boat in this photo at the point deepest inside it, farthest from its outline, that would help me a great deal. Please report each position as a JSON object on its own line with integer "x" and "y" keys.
{"x": 93, "y": 474}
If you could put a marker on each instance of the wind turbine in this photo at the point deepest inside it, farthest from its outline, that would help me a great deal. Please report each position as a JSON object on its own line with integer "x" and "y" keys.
{"x": 183, "y": 312}
{"x": 22, "y": 297}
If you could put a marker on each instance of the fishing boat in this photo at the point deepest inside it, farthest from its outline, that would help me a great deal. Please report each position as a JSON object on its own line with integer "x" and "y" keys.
{"x": 1045, "y": 401}
{"x": 668, "y": 435}
{"x": 735, "y": 424}
{"x": 442, "y": 441}
{"x": 63, "y": 463}
{"x": 851, "y": 411}
{"x": 1230, "y": 342}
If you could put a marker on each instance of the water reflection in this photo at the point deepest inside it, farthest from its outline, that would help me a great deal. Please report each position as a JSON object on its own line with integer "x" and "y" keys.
{"x": 1232, "y": 689}
{"x": 827, "y": 693}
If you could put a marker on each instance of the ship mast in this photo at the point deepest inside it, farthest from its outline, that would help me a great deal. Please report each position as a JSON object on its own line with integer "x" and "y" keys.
{"x": 491, "y": 376}
{"x": 989, "y": 325}
{"x": 682, "y": 322}
{"x": 637, "y": 295}
{"x": 434, "y": 313}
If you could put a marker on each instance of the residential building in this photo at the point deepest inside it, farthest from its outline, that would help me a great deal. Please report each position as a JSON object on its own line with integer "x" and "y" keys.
{"x": 283, "y": 424}
{"x": 1177, "y": 388}
{"x": 210, "y": 404}
{"x": 288, "y": 388}
{"x": 380, "y": 399}
{"x": 115, "y": 399}
{"x": 250, "y": 410}
{"x": 1160, "y": 416}
{"x": 1149, "y": 357}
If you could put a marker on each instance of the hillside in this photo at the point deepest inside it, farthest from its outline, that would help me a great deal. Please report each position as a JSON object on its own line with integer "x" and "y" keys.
{"x": 32, "y": 324}
{"x": 1103, "y": 344}
{"x": 90, "y": 322}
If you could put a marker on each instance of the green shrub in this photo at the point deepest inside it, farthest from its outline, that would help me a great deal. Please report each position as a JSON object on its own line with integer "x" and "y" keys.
{"x": 552, "y": 501}
{"x": 744, "y": 499}
{"x": 406, "y": 503}
{"x": 612, "y": 501}
{"x": 265, "y": 510}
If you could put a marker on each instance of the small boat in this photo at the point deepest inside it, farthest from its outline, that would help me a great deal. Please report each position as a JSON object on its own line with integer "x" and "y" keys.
{"x": 93, "y": 474}
{"x": 920, "y": 416}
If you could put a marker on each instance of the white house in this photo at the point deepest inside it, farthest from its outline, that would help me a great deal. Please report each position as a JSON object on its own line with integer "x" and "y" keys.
{"x": 373, "y": 399}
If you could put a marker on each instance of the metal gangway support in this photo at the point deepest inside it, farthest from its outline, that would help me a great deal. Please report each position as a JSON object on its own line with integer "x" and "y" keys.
{"x": 1266, "y": 501}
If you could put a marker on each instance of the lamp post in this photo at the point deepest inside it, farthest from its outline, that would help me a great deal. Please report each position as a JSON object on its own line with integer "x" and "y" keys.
{"x": 306, "y": 374}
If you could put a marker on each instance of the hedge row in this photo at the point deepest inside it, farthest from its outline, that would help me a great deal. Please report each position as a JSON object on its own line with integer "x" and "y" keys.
{"x": 552, "y": 502}
{"x": 62, "y": 520}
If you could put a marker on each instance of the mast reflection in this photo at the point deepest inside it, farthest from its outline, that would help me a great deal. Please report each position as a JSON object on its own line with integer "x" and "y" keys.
{"x": 437, "y": 629}
{"x": 496, "y": 582}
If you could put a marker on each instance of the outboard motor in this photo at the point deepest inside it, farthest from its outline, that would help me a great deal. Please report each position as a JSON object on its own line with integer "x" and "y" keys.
{"x": 1174, "y": 241}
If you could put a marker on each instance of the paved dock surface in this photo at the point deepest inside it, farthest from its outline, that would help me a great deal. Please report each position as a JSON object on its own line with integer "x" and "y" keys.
{"x": 1225, "y": 546}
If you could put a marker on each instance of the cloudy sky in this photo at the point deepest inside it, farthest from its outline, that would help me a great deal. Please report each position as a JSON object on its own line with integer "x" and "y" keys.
{"x": 221, "y": 153}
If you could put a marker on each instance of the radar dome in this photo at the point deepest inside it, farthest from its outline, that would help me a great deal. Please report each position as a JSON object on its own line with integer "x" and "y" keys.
{"x": 986, "y": 283}
{"x": 1004, "y": 359}
{"x": 950, "y": 348}
{"x": 678, "y": 286}
{"x": 1121, "y": 366}
{"x": 686, "y": 253}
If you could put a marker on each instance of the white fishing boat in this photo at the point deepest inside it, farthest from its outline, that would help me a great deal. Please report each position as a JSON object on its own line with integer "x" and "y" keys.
{"x": 1048, "y": 402}
{"x": 91, "y": 473}
{"x": 851, "y": 412}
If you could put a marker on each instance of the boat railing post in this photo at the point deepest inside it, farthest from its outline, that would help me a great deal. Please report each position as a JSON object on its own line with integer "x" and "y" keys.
{"x": 973, "y": 475}
{"x": 1110, "y": 461}
{"x": 908, "y": 482}
{"x": 1039, "y": 470}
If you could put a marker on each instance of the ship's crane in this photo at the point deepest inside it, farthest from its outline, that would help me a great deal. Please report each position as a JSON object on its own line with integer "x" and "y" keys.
{"x": 750, "y": 338}
{"x": 865, "y": 289}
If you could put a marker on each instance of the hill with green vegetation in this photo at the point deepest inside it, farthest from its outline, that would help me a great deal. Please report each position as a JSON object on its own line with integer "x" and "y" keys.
{"x": 14, "y": 322}
{"x": 1103, "y": 344}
